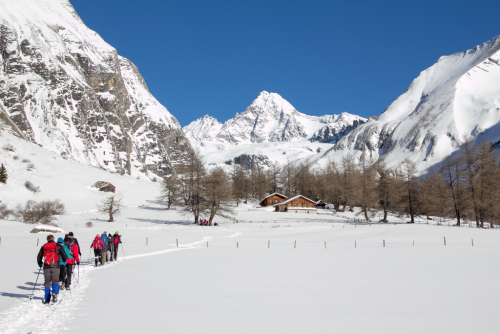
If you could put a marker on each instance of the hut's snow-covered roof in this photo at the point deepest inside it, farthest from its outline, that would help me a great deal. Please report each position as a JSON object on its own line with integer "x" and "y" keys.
{"x": 293, "y": 198}
{"x": 277, "y": 194}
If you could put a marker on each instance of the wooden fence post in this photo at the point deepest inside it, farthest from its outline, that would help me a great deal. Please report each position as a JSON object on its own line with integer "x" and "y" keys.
{"x": 471, "y": 239}
{"x": 354, "y": 243}
{"x": 177, "y": 241}
{"x": 237, "y": 245}
{"x": 268, "y": 243}
{"x": 384, "y": 242}
{"x": 146, "y": 241}
{"x": 445, "y": 241}
{"x": 37, "y": 240}
{"x": 295, "y": 244}
{"x": 325, "y": 244}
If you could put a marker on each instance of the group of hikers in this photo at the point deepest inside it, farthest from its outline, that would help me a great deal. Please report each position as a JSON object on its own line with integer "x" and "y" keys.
{"x": 106, "y": 247}
{"x": 58, "y": 259}
{"x": 204, "y": 222}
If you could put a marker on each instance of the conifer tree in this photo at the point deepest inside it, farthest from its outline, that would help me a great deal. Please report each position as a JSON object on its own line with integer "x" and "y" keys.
{"x": 3, "y": 174}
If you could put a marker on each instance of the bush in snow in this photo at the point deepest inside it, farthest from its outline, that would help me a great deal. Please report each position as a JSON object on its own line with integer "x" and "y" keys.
{"x": 31, "y": 166}
{"x": 31, "y": 187}
{"x": 43, "y": 212}
{"x": 4, "y": 211}
{"x": 16, "y": 157}
{"x": 26, "y": 161}
{"x": 9, "y": 147}
{"x": 89, "y": 224}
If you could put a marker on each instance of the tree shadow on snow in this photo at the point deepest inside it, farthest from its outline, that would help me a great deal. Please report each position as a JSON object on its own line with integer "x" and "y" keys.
{"x": 17, "y": 295}
{"x": 159, "y": 221}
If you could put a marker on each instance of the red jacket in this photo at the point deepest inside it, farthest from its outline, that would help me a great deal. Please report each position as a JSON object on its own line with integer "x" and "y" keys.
{"x": 76, "y": 257}
{"x": 97, "y": 243}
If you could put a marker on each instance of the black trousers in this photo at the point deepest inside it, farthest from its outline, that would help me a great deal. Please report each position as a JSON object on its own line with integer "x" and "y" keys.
{"x": 97, "y": 255}
{"x": 115, "y": 251}
{"x": 62, "y": 274}
{"x": 69, "y": 273}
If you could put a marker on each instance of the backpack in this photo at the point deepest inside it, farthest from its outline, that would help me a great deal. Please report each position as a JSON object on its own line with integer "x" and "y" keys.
{"x": 50, "y": 253}
{"x": 68, "y": 244}
{"x": 117, "y": 238}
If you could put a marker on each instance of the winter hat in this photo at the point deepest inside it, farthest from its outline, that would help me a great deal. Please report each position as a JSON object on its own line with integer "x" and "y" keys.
{"x": 70, "y": 234}
{"x": 50, "y": 237}
{"x": 97, "y": 236}
{"x": 66, "y": 235}
{"x": 105, "y": 233}
{"x": 116, "y": 232}
{"x": 60, "y": 240}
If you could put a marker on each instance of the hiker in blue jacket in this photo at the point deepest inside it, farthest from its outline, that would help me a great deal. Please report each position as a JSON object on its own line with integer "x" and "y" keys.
{"x": 104, "y": 239}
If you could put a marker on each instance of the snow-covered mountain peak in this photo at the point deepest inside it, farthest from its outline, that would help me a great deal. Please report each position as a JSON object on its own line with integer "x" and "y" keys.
{"x": 458, "y": 95}
{"x": 270, "y": 119}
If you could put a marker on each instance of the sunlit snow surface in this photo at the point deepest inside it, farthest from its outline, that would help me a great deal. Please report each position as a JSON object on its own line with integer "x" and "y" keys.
{"x": 237, "y": 284}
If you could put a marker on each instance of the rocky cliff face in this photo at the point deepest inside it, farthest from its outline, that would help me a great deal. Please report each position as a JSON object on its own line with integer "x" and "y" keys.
{"x": 70, "y": 92}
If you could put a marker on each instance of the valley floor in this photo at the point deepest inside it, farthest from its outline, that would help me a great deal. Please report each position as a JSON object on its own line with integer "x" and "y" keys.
{"x": 252, "y": 279}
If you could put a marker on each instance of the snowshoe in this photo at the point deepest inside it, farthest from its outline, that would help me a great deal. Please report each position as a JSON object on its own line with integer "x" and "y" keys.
{"x": 54, "y": 298}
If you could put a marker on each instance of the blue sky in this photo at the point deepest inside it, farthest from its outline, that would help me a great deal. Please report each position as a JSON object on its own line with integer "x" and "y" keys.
{"x": 324, "y": 57}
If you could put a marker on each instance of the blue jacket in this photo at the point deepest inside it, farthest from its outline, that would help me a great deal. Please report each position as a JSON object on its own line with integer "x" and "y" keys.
{"x": 104, "y": 239}
{"x": 68, "y": 254}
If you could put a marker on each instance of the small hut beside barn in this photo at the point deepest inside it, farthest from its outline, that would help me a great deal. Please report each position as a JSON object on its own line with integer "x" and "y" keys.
{"x": 320, "y": 205}
{"x": 109, "y": 188}
{"x": 297, "y": 204}
{"x": 273, "y": 199}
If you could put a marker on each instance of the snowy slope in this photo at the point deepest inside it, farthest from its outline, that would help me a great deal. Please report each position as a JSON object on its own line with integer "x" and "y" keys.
{"x": 269, "y": 131}
{"x": 459, "y": 95}
{"x": 294, "y": 286}
{"x": 69, "y": 91}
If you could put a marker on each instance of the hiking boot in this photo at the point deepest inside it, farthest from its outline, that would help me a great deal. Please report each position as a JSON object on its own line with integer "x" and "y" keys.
{"x": 54, "y": 297}
{"x": 45, "y": 302}
{"x": 61, "y": 286}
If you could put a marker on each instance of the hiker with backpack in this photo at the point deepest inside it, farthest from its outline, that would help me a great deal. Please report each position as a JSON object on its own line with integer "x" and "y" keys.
{"x": 104, "y": 239}
{"x": 117, "y": 239}
{"x": 97, "y": 245}
{"x": 111, "y": 247}
{"x": 70, "y": 263}
{"x": 50, "y": 256}
{"x": 62, "y": 264}
{"x": 75, "y": 241}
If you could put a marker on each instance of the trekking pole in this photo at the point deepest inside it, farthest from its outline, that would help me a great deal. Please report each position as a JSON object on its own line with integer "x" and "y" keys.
{"x": 33, "y": 292}
{"x": 123, "y": 252}
{"x": 78, "y": 279}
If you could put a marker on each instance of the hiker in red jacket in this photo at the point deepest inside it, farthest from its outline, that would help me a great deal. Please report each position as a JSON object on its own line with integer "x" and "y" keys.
{"x": 52, "y": 254}
{"x": 97, "y": 245}
{"x": 117, "y": 240}
{"x": 70, "y": 263}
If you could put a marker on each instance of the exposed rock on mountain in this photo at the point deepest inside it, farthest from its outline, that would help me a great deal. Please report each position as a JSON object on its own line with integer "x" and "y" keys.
{"x": 70, "y": 92}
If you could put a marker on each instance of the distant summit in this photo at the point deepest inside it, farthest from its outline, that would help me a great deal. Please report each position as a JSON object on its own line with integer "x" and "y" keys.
{"x": 269, "y": 119}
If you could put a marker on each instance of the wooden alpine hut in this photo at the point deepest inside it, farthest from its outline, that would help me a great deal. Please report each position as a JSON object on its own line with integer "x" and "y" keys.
{"x": 297, "y": 204}
{"x": 273, "y": 199}
{"x": 108, "y": 188}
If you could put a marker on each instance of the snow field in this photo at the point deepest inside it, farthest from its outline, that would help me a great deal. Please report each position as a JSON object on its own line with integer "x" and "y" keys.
{"x": 159, "y": 287}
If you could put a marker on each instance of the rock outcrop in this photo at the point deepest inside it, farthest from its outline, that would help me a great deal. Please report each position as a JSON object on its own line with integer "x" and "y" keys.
{"x": 69, "y": 91}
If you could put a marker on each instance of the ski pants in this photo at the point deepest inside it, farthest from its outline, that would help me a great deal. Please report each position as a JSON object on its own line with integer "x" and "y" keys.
{"x": 62, "y": 274}
{"x": 103, "y": 256}
{"x": 51, "y": 276}
{"x": 97, "y": 255}
{"x": 69, "y": 273}
{"x": 116, "y": 251}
